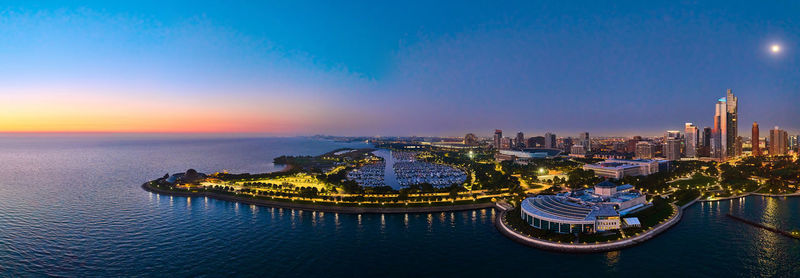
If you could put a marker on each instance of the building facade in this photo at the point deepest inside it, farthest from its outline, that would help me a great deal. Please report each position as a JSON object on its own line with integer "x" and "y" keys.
{"x": 498, "y": 136}
{"x": 672, "y": 149}
{"x": 520, "y": 140}
{"x": 778, "y": 141}
{"x": 691, "y": 140}
{"x": 725, "y": 127}
{"x": 586, "y": 211}
{"x": 586, "y": 142}
{"x": 644, "y": 150}
{"x": 754, "y": 140}
{"x": 550, "y": 140}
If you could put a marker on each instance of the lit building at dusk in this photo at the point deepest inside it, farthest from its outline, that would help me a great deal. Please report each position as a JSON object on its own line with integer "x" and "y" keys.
{"x": 589, "y": 211}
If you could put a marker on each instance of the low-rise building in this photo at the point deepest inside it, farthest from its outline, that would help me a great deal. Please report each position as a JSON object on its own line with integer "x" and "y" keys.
{"x": 586, "y": 211}
{"x": 620, "y": 168}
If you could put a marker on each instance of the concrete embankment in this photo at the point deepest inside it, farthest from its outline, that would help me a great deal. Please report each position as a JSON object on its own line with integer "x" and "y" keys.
{"x": 588, "y": 247}
{"x": 321, "y": 208}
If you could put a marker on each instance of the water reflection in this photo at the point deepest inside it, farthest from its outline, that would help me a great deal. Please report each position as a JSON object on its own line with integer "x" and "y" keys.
{"x": 612, "y": 259}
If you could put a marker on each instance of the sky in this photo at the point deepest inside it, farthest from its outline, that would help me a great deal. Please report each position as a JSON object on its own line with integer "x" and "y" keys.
{"x": 381, "y": 68}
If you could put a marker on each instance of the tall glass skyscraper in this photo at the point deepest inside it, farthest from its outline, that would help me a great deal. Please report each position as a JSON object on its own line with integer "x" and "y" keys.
{"x": 725, "y": 127}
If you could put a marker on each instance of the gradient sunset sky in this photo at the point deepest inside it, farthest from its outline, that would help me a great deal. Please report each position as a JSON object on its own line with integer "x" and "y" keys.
{"x": 395, "y": 68}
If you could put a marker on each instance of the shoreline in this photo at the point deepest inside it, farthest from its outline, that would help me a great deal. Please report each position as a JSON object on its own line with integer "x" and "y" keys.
{"x": 751, "y": 194}
{"x": 321, "y": 208}
{"x": 588, "y": 247}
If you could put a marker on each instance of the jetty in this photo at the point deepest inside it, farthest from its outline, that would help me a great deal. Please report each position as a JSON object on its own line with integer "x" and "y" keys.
{"x": 794, "y": 235}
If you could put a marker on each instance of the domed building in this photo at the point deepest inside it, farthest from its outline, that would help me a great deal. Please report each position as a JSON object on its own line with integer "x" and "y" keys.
{"x": 585, "y": 211}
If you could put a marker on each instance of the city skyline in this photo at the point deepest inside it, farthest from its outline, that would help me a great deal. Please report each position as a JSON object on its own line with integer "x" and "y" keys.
{"x": 365, "y": 70}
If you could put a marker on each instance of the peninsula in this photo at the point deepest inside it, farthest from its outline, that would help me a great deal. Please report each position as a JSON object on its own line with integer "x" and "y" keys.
{"x": 546, "y": 200}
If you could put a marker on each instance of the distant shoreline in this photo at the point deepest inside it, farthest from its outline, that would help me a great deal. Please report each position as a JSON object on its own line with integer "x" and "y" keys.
{"x": 321, "y": 208}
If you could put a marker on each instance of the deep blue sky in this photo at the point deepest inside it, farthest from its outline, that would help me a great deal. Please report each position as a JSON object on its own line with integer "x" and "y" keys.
{"x": 400, "y": 68}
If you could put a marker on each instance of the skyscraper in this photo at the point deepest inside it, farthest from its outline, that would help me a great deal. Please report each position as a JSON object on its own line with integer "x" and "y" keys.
{"x": 738, "y": 145}
{"x": 691, "y": 140}
{"x": 706, "y": 137}
{"x": 778, "y": 141}
{"x": 672, "y": 134}
{"x": 724, "y": 133}
{"x": 644, "y": 149}
{"x": 506, "y": 143}
{"x": 520, "y": 141}
{"x": 754, "y": 138}
{"x": 672, "y": 149}
{"x": 550, "y": 140}
{"x": 498, "y": 135}
{"x": 585, "y": 141}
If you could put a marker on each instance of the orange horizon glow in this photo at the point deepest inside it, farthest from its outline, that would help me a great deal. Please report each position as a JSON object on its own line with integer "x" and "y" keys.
{"x": 93, "y": 110}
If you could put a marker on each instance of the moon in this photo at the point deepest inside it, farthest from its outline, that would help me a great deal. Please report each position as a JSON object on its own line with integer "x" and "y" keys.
{"x": 775, "y": 48}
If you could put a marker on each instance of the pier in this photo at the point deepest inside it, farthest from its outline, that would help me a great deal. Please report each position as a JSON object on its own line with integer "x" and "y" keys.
{"x": 765, "y": 227}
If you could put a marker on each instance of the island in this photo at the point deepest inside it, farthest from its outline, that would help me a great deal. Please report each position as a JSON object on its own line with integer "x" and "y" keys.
{"x": 545, "y": 200}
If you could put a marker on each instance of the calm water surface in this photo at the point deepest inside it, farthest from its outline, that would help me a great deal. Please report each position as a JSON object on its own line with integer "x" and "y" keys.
{"x": 72, "y": 206}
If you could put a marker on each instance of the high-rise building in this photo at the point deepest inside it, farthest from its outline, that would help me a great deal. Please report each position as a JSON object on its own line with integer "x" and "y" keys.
{"x": 672, "y": 149}
{"x": 585, "y": 141}
{"x": 644, "y": 150}
{"x": 738, "y": 145}
{"x": 520, "y": 141}
{"x": 672, "y": 134}
{"x": 550, "y": 140}
{"x": 691, "y": 140}
{"x": 566, "y": 144}
{"x": 498, "y": 136}
{"x": 706, "y": 137}
{"x": 725, "y": 125}
{"x": 506, "y": 143}
{"x": 778, "y": 141}
{"x": 754, "y": 140}
{"x": 577, "y": 150}
{"x": 793, "y": 142}
{"x": 631, "y": 144}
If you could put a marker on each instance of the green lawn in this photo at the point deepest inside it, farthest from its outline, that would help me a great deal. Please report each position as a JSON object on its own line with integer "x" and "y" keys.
{"x": 651, "y": 216}
{"x": 697, "y": 180}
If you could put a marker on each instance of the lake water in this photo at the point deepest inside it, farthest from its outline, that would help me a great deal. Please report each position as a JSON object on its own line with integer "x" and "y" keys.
{"x": 389, "y": 176}
{"x": 72, "y": 206}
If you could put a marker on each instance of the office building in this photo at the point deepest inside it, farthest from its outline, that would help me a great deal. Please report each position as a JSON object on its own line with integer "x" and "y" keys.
{"x": 577, "y": 150}
{"x": 725, "y": 127}
{"x": 672, "y": 149}
{"x": 754, "y": 140}
{"x": 778, "y": 141}
{"x": 644, "y": 150}
{"x": 550, "y": 140}
{"x": 672, "y": 134}
{"x": 520, "y": 140}
{"x": 498, "y": 136}
{"x": 585, "y": 141}
{"x": 691, "y": 140}
{"x": 738, "y": 146}
{"x": 506, "y": 143}
{"x": 620, "y": 168}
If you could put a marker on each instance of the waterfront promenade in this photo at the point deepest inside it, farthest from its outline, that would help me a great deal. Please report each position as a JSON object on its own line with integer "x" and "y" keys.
{"x": 321, "y": 207}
